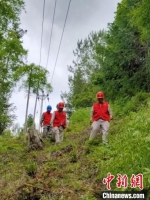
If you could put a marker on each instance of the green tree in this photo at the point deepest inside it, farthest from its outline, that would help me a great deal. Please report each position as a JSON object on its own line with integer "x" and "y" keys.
{"x": 115, "y": 61}
{"x": 12, "y": 54}
{"x": 82, "y": 90}
{"x": 123, "y": 69}
{"x": 141, "y": 19}
{"x": 30, "y": 120}
{"x": 34, "y": 78}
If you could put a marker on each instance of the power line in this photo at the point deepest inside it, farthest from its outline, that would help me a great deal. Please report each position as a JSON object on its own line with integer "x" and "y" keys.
{"x": 42, "y": 32}
{"x": 51, "y": 34}
{"x": 40, "y": 53}
{"x": 61, "y": 40}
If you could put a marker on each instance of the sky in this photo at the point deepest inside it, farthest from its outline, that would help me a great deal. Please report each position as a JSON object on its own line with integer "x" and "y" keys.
{"x": 84, "y": 17}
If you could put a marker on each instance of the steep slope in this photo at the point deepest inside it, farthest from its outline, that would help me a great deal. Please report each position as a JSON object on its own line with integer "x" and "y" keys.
{"x": 75, "y": 169}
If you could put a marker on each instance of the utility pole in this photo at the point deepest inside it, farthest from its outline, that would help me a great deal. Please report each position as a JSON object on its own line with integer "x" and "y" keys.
{"x": 35, "y": 103}
{"x": 42, "y": 97}
{"x": 35, "y": 108}
{"x": 25, "y": 124}
{"x": 28, "y": 96}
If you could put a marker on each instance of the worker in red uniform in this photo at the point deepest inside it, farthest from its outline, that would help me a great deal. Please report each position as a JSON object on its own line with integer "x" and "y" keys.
{"x": 59, "y": 122}
{"x": 45, "y": 121}
{"x": 101, "y": 114}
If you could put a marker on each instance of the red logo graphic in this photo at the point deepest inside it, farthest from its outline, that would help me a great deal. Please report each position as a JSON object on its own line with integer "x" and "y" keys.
{"x": 137, "y": 181}
{"x": 108, "y": 180}
{"x": 122, "y": 181}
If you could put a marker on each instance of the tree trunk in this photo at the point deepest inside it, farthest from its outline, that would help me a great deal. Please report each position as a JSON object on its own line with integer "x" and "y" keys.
{"x": 41, "y": 114}
{"x": 35, "y": 108}
{"x": 25, "y": 125}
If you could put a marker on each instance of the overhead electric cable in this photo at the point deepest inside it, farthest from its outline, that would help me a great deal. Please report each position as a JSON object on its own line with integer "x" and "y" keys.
{"x": 43, "y": 15}
{"x": 61, "y": 40}
{"x": 42, "y": 32}
{"x": 51, "y": 34}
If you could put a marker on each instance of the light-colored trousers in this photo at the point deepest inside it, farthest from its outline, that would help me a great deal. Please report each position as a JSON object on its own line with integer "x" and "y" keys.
{"x": 58, "y": 134}
{"x": 47, "y": 133}
{"x": 100, "y": 125}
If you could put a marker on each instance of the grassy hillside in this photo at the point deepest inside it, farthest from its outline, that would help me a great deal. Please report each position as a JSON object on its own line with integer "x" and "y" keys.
{"x": 75, "y": 169}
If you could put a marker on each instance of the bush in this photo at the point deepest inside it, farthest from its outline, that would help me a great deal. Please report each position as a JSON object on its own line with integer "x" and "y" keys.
{"x": 79, "y": 120}
{"x": 123, "y": 107}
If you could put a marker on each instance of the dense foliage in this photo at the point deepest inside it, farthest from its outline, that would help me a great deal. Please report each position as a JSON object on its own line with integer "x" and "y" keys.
{"x": 11, "y": 54}
{"x": 115, "y": 61}
{"x": 12, "y": 60}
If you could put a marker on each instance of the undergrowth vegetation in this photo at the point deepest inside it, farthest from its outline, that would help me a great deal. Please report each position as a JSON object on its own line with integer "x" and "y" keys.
{"x": 75, "y": 169}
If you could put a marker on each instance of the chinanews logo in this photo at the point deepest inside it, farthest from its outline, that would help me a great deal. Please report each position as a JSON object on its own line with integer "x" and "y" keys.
{"x": 135, "y": 183}
{"x": 122, "y": 181}
{"x": 106, "y": 195}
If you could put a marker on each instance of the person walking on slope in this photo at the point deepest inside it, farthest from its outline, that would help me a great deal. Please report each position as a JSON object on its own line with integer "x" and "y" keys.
{"x": 45, "y": 121}
{"x": 101, "y": 114}
{"x": 59, "y": 122}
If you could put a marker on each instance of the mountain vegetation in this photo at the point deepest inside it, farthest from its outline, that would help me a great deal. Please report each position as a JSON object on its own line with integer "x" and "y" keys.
{"x": 115, "y": 61}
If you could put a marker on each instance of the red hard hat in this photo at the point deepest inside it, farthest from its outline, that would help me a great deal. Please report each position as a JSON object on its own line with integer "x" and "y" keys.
{"x": 61, "y": 105}
{"x": 100, "y": 95}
